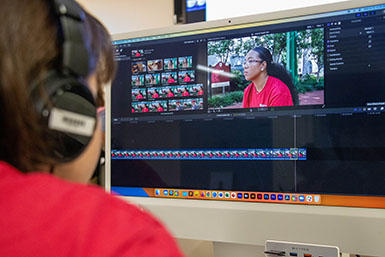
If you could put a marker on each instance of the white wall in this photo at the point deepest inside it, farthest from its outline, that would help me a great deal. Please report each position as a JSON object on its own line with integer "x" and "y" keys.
{"x": 121, "y": 16}
{"x": 220, "y": 9}
{"x": 131, "y": 15}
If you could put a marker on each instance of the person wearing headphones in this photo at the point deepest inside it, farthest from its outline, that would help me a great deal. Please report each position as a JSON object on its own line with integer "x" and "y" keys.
{"x": 54, "y": 58}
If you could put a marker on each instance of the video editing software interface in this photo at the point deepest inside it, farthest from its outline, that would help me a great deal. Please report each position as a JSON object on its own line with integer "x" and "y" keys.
{"x": 179, "y": 127}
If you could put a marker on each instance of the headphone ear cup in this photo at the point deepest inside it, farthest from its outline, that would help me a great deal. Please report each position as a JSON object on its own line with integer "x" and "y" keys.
{"x": 69, "y": 115}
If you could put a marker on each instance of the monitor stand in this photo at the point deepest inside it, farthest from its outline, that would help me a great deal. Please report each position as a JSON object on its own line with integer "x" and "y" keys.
{"x": 198, "y": 248}
{"x": 221, "y": 249}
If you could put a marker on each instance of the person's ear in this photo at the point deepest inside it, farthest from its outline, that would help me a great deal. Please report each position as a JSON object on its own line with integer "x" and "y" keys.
{"x": 263, "y": 66}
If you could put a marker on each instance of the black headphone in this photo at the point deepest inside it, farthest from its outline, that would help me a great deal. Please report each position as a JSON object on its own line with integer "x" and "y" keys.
{"x": 69, "y": 111}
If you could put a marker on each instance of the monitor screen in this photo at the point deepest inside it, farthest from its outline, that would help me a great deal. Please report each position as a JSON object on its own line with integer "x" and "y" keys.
{"x": 273, "y": 111}
{"x": 195, "y": 10}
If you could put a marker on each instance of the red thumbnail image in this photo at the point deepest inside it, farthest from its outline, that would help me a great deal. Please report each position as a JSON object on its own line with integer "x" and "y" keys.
{"x": 157, "y": 92}
{"x": 185, "y": 91}
{"x": 170, "y": 91}
{"x": 153, "y": 93}
{"x": 169, "y": 78}
{"x": 140, "y": 107}
{"x": 197, "y": 90}
{"x": 138, "y": 94}
{"x": 181, "y": 91}
{"x": 158, "y": 106}
{"x": 186, "y": 76}
{"x": 137, "y": 53}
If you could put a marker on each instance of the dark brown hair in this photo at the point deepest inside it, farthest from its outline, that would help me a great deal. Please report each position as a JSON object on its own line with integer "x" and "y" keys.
{"x": 29, "y": 47}
{"x": 101, "y": 47}
{"x": 278, "y": 71}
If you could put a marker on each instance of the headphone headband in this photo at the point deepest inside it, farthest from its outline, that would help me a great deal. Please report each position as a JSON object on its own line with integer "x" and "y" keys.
{"x": 68, "y": 111}
{"x": 76, "y": 57}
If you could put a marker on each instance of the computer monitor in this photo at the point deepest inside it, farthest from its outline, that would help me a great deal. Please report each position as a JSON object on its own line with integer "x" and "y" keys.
{"x": 190, "y": 140}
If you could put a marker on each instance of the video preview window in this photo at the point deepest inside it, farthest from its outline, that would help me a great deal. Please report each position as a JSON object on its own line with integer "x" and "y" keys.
{"x": 235, "y": 70}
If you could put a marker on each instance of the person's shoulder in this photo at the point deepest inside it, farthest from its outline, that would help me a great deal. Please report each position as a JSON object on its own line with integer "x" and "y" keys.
{"x": 275, "y": 81}
{"x": 277, "y": 85}
{"x": 83, "y": 200}
{"x": 113, "y": 227}
{"x": 249, "y": 86}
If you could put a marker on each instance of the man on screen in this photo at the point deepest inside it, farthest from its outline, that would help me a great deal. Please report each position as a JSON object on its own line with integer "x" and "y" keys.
{"x": 194, "y": 105}
{"x": 179, "y": 107}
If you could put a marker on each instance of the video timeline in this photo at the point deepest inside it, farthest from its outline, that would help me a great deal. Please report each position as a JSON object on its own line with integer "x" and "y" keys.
{"x": 233, "y": 154}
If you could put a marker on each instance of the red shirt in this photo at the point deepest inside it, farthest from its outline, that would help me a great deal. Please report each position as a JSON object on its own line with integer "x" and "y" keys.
{"x": 170, "y": 94}
{"x": 171, "y": 81}
{"x": 45, "y": 216}
{"x": 275, "y": 93}
{"x": 155, "y": 95}
{"x": 185, "y": 93}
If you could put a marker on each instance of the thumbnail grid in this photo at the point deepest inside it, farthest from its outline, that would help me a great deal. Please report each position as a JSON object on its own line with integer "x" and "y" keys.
{"x": 159, "y": 85}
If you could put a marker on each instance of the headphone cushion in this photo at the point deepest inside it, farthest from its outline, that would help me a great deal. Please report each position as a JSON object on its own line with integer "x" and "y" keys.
{"x": 69, "y": 115}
